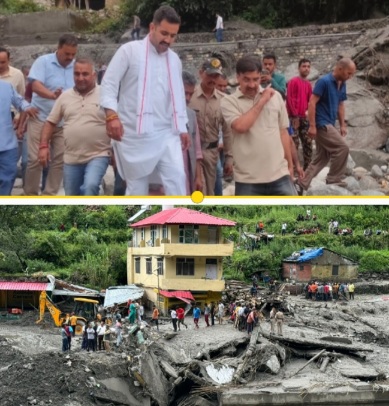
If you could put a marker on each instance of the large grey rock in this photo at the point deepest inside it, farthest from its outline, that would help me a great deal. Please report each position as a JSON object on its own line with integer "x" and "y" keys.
{"x": 328, "y": 190}
{"x": 366, "y": 158}
{"x": 376, "y": 172}
{"x": 367, "y": 182}
{"x": 363, "y": 113}
{"x": 273, "y": 365}
{"x": 352, "y": 184}
{"x": 350, "y": 165}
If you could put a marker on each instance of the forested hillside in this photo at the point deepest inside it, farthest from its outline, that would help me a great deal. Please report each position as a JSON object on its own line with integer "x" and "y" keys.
{"x": 87, "y": 244}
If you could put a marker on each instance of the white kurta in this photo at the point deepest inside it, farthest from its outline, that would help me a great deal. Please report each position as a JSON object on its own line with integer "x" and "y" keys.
{"x": 137, "y": 155}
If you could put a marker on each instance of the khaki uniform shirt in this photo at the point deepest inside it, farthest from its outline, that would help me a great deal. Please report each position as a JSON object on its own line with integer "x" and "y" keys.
{"x": 84, "y": 129}
{"x": 210, "y": 119}
{"x": 259, "y": 154}
{"x": 16, "y": 78}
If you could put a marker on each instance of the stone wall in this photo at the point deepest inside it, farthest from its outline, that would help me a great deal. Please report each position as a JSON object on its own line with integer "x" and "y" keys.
{"x": 38, "y": 28}
{"x": 323, "y": 50}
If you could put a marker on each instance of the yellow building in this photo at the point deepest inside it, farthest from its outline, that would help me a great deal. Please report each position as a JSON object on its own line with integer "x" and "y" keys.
{"x": 177, "y": 255}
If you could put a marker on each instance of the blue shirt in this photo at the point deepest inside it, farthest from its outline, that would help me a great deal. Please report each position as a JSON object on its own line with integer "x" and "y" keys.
{"x": 330, "y": 98}
{"x": 196, "y": 313}
{"x": 47, "y": 70}
{"x": 9, "y": 97}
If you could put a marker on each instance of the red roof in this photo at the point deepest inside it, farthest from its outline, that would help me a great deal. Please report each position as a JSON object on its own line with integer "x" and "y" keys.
{"x": 182, "y": 215}
{"x": 179, "y": 294}
{"x": 36, "y": 286}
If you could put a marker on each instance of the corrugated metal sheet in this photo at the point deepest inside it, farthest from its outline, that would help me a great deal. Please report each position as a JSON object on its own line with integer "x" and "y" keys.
{"x": 182, "y": 215}
{"x": 35, "y": 286}
{"x": 179, "y": 294}
{"x": 121, "y": 294}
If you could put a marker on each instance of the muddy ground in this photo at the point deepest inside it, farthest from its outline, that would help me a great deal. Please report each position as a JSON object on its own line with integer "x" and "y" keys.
{"x": 172, "y": 369}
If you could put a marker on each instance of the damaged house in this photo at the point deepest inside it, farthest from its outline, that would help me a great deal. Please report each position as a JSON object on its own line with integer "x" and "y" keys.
{"x": 176, "y": 255}
{"x": 318, "y": 263}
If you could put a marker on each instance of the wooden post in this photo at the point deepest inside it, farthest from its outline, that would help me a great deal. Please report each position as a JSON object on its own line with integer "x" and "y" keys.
{"x": 307, "y": 363}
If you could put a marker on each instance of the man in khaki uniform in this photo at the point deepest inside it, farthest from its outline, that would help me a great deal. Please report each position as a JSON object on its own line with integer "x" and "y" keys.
{"x": 206, "y": 103}
{"x": 261, "y": 147}
{"x": 87, "y": 145}
{"x": 273, "y": 312}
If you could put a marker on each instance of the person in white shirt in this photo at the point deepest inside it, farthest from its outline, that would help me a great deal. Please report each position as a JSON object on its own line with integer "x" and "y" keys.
{"x": 219, "y": 28}
{"x": 100, "y": 335}
{"x": 145, "y": 108}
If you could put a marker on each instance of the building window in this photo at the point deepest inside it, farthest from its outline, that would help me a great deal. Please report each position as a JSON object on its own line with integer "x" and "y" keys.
{"x": 137, "y": 265}
{"x": 189, "y": 234}
{"x": 142, "y": 234}
{"x": 164, "y": 232}
{"x": 335, "y": 270}
{"x": 153, "y": 235}
{"x": 134, "y": 240}
{"x": 301, "y": 267}
{"x": 185, "y": 266}
{"x": 212, "y": 234}
{"x": 160, "y": 265}
{"x": 149, "y": 269}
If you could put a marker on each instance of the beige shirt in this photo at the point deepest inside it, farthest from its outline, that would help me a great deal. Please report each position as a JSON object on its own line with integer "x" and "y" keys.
{"x": 16, "y": 78}
{"x": 210, "y": 119}
{"x": 84, "y": 129}
{"x": 258, "y": 154}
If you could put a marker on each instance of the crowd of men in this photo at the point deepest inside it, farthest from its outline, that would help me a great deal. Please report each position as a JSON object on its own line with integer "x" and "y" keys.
{"x": 329, "y": 291}
{"x": 156, "y": 124}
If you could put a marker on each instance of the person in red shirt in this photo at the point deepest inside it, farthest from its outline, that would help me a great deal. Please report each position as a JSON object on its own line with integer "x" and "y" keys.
{"x": 298, "y": 94}
{"x": 181, "y": 317}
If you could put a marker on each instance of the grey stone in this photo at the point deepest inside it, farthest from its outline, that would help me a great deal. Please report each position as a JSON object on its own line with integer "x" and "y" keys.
{"x": 368, "y": 183}
{"x": 384, "y": 168}
{"x": 273, "y": 365}
{"x": 350, "y": 165}
{"x": 376, "y": 172}
{"x": 370, "y": 192}
{"x": 352, "y": 184}
{"x": 329, "y": 190}
{"x": 367, "y": 157}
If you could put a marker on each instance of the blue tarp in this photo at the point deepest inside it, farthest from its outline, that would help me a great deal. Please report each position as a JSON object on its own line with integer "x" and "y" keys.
{"x": 305, "y": 254}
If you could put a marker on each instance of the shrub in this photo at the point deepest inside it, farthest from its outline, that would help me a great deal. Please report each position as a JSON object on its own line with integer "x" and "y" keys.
{"x": 19, "y": 6}
{"x": 376, "y": 261}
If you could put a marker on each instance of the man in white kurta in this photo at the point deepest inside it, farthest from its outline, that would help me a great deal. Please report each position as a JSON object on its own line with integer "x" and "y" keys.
{"x": 144, "y": 101}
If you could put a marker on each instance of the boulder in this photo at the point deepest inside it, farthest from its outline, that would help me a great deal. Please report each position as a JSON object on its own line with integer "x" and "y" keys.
{"x": 368, "y": 183}
{"x": 376, "y": 172}
{"x": 273, "y": 365}
{"x": 363, "y": 111}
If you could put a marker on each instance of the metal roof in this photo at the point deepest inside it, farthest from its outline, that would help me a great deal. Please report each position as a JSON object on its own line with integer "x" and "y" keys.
{"x": 182, "y": 215}
{"x": 179, "y": 294}
{"x": 122, "y": 294}
{"x": 34, "y": 286}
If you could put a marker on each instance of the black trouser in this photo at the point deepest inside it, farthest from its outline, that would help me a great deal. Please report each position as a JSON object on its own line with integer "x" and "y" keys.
{"x": 351, "y": 295}
{"x": 212, "y": 319}
{"x": 100, "y": 341}
{"x": 91, "y": 344}
{"x": 74, "y": 331}
{"x": 174, "y": 321}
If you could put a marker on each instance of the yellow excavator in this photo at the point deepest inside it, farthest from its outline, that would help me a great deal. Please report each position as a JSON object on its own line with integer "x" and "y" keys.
{"x": 84, "y": 309}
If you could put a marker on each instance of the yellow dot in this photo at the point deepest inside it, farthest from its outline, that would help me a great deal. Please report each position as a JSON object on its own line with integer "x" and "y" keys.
{"x": 197, "y": 197}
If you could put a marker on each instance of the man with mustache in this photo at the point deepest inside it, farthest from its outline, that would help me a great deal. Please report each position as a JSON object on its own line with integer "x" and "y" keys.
{"x": 50, "y": 75}
{"x": 144, "y": 101}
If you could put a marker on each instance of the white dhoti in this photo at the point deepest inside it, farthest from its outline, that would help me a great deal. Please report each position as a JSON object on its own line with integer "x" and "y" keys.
{"x": 138, "y": 156}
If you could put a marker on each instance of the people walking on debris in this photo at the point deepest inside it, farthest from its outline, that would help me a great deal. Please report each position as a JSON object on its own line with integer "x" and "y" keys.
{"x": 351, "y": 290}
{"x": 254, "y": 279}
{"x": 155, "y": 316}
{"x": 84, "y": 342}
{"x": 253, "y": 291}
{"x": 107, "y": 339}
{"x": 144, "y": 102}
{"x": 141, "y": 312}
{"x": 335, "y": 290}
{"x": 279, "y": 320}
{"x": 207, "y": 311}
{"x": 325, "y": 106}
{"x": 50, "y": 75}
{"x": 220, "y": 313}
{"x": 251, "y": 320}
{"x": 132, "y": 315}
{"x": 70, "y": 334}
{"x": 196, "y": 316}
{"x": 219, "y": 28}
{"x": 213, "y": 312}
{"x": 136, "y": 28}
{"x": 91, "y": 338}
{"x": 73, "y": 323}
{"x": 181, "y": 318}
{"x": 64, "y": 335}
{"x": 118, "y": 330}
{"x": 272, "y": 316}
{"x": 173, "y": 315}
{"x": 100, "y": 335}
